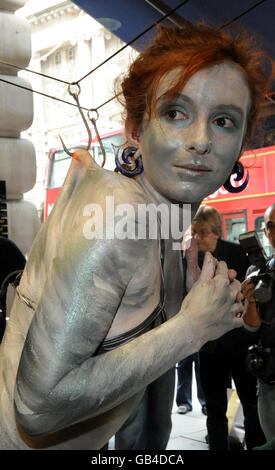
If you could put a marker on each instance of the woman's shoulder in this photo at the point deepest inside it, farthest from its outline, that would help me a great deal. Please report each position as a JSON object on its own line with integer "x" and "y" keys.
{"x": 124, "y": 190}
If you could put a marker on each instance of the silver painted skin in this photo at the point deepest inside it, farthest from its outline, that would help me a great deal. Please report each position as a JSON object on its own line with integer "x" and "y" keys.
{"x": 42, "y": 273}
{"x": 52, "y": 384}
{"x": 57, "y": 342}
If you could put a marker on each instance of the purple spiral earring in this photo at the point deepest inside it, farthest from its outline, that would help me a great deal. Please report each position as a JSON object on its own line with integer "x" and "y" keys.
{"x": 125, "y": 168}
{"x": 239, "y": 170}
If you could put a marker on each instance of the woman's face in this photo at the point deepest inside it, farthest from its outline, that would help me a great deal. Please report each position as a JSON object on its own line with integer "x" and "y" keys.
{"x": 190, "y": 145}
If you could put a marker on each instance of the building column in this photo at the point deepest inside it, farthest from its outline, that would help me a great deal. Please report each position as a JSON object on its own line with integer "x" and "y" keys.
{"x": 19, "y": 218}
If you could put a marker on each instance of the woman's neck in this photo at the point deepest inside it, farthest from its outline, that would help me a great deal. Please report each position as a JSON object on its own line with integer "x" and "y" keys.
{"x": 178, "y": 208}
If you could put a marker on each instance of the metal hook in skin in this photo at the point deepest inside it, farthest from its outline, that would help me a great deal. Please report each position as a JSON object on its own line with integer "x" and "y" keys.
{"x": 75, "y": 95}
{"x": 93, "y": 121}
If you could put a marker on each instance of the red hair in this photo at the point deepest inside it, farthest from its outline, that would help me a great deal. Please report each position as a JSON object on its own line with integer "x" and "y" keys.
{"x": 192, "y": 49}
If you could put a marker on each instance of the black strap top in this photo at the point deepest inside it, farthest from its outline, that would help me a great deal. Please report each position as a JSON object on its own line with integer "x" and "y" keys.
{"x": 148, "y": 324}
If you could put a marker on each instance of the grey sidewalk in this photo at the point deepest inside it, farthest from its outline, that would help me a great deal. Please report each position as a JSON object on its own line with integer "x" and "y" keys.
{"x": 189, "y": 430}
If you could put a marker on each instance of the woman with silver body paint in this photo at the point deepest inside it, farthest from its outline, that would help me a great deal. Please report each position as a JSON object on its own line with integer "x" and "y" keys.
{"x": 56, "y": 390}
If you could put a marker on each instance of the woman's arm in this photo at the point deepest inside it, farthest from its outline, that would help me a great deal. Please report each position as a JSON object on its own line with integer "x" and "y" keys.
{"x": 60, "y": 381}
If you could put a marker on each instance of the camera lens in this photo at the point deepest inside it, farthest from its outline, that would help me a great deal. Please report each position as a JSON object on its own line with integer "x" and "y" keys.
{"x": 263, "y": 290}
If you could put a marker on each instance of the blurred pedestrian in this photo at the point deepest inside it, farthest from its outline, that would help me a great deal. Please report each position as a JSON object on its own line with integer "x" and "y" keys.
{"x": 226, "y": 356}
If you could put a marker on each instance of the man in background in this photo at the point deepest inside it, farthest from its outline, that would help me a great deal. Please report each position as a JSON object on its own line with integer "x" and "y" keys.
{"x": 225, "y": 357}
{"x": 184, "y": 384}
{"x": 253, "y": 317}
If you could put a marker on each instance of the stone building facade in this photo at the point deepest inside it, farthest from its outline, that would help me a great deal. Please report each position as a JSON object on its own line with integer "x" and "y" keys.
{"x": 67, "y": 44}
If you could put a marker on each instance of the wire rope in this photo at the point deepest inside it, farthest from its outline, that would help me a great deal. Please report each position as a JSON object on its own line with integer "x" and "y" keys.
{"x": 242, "y": 14}
{"x": 135, "y": 39}
{"x": 109, "y": 58}
{"x": 35, "y": 72}
{"x": 41, "y": 93}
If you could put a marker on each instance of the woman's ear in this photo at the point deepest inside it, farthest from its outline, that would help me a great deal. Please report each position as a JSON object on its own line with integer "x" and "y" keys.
{"x": 135, "y": 138}
{"x": 132, "y": 136}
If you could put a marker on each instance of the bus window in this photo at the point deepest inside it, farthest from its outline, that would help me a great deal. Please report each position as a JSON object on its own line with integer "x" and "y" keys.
{"x": 60, "y": 165}
{"x": 259, "y": 228}
{"x": 234, "y": 225}
{"x": 111, "y": 144}
{"x": 59, "y": 162}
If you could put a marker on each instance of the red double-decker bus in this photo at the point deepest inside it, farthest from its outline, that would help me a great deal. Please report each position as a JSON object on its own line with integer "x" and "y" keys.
{"x": 59, "y": 162}
{"x": 244, "y": 211}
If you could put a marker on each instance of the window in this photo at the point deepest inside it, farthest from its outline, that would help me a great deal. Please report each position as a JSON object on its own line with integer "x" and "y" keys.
{"x": 108, "y": 143}
{"x": 70, "y": 55}
{"x": 259, "y": 228}
{"x": 234, "y": 227}
{"x": 57, "y": 58}
{"x": 61, "y": 160}
{"x": 59, "y": 168}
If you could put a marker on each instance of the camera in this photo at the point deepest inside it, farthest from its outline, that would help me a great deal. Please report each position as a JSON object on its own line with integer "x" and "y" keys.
{"x": 264, "y": 281}
{"x": 261, "y": 358}
{"x": 261, "y": 363}
{"x": 263, "y": 277}
{"x": 253, "y": 248}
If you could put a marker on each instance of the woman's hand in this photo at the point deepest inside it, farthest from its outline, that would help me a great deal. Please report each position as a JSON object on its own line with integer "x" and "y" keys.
{"x": 251, "y": 316}
{"x": 191, "y": 253}
{"x": 213, "y": 305}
